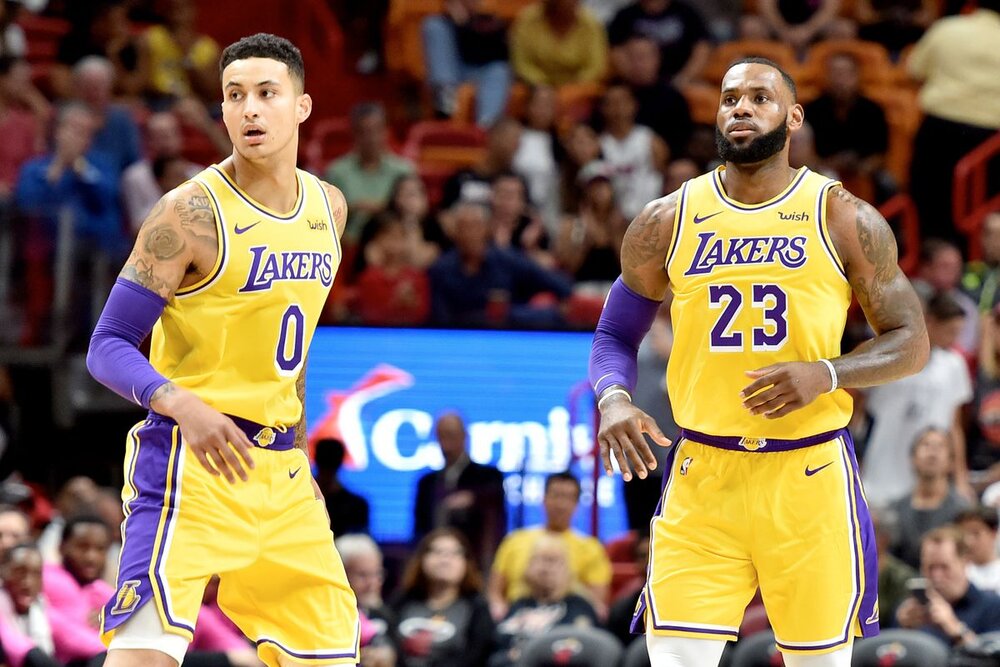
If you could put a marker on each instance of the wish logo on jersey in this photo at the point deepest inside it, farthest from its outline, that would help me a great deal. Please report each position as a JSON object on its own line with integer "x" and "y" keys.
{"x": 268, "y": 267}
{"x": 714, "y": 251}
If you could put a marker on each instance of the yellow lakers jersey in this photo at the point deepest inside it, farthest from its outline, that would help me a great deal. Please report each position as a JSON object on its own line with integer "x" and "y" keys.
{"x": 753, "y": 285}
{"x": 238, "y": 338}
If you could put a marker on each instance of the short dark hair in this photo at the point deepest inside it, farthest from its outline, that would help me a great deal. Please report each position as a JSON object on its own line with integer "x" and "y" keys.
{"x": 329, "y": 454}
{"x": 932, "y": 247}
{"x": 760, "y": 60}
{"x": 82, "y": 520}
{"x": 564, "y": 476}
{"x": 981, "y": 513}
{"x": 944, "y": 307}
{"x": 266, "y": 45}
{"x": 363, "y": 110}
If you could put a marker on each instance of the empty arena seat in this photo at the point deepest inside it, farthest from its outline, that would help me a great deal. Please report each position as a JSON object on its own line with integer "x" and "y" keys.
{"x": 758, "y": 650}
{"x": 572, "y": 646}
{"x": 329, "y": 139}
{"x": 433, "y": 143}
{"x": 900, "y": 648}
{"x": 636, "y": 654}
{"x": 726, "y": 53}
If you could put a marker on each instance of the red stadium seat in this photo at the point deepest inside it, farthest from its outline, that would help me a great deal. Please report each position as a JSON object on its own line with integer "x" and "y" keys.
{"x": 330, "y": 138}
{"x": 432, "y": 143}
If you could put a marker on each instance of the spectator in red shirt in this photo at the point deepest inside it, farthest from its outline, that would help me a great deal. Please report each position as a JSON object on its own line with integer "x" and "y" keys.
{"x": 392, "y": 290}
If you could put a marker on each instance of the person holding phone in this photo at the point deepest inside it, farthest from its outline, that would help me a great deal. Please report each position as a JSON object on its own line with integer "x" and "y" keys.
{"x": 943, "y": 602}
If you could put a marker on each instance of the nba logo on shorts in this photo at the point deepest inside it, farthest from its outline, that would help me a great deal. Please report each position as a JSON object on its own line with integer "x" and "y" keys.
{"x": 685, "y": 465}
{"x": 127, "y": 597}
{"x": 753, "y": 444}
{"x": 265, "y": 437}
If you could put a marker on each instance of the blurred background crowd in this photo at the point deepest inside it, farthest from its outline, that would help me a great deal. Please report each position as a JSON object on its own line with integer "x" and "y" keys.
{"x": 492, "y": 153}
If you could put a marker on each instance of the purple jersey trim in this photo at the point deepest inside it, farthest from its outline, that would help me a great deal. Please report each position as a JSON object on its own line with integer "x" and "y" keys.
{"x": 275, "y": 438}
{"x": 726, "y": 199}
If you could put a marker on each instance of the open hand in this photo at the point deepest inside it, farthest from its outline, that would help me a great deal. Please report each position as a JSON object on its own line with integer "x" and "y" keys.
{"x": 621, "y": 431}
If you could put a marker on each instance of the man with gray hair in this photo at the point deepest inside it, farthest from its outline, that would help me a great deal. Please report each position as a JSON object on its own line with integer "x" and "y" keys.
{"x": 117, "y": 135}
{"x": 477, "y": 283}
{"x": 363, "y": 564}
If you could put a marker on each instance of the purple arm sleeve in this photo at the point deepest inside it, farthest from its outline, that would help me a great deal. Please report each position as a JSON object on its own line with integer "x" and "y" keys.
{"x": 114, "y": 358}
{"x": 624, "y": 322}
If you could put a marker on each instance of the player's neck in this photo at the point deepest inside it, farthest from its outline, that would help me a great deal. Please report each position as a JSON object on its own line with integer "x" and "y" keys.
{"x": 271, "y": 182}
{"x": 756, "y": 183}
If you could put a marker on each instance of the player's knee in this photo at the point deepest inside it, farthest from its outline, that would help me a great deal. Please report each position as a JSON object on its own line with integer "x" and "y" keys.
{"x": 684, "y": 651}
{"x": 138, "y": 657}
{"x": 839, "y": 658}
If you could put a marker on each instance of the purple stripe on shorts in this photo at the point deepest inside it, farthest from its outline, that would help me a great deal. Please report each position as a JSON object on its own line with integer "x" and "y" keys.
{"x": 867, "y": 615}
{"x": 751, "y": 444}
{"x": 703, "y": 631}
{"x": 857, "y": 549}
{"x": 149, "y": 474}
{"x": 352, "y": 653}
{"x": 172, "y": 503}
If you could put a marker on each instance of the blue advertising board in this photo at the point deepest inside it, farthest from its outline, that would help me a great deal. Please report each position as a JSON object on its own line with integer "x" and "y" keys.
{"x": 523, "y": 396}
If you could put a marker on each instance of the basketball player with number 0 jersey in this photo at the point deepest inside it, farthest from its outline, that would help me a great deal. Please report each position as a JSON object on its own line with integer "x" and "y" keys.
{"x": 761, "y": 487}
{"x": 230, "y": 272}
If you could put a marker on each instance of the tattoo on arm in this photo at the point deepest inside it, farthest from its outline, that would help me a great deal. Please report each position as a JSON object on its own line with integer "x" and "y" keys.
{"x": 197, "y": 217}
{"x": 644, "y": 248}
{"x": 162, "y": 391}
{"x": 163, "y": 242}
{"x": 301, "y": 437}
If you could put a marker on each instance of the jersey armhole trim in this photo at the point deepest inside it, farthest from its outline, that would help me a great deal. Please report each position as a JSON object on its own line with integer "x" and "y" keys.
{"x": 824, "y": 233}
{"x": 329, "y": 213}
{"x": 675, "y": 234}
{"x": 222, "y": 257}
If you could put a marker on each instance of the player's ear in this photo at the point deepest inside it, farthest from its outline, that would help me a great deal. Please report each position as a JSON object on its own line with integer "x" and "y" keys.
{"x": 304, "y": 106}
{"x": 796, "y": 116}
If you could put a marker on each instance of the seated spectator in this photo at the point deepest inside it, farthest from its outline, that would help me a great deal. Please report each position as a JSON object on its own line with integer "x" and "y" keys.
{"x": 78, "y": 495}
{"x": 408, "y": 200}
{"x": 463, "y": 495}
{"x": 15, "y": 528}
{"x": 181, "y": 62}
{"x": 932, "y": 398}
{"x": 478, "y": 284}
{"x": 117, "y": 135}
{"x": 661, "y": 107}
{"x": 892, "y": 572}
{"x": 636, "y": 156}
{"x": 549, "y": 602}
{"x": 100, "y": 29}
{"x": 933, "y": 501}
{"x": 475, "y": 184}
{"x": 24, "y": 607}
{"x": 74, "y": 586}
{"x": 940, "y": 270}
{"x": 851, "y": 133}
{"x": 984, "y": 434}
{"x": 895, "y": 24}
{"x": 515, "y": 225}
{"x": 679, "y": 171}
{"x": 443, "y": 619}
{"x": 588, "y": 560}
{"x": 365, "y": 573}
{"x": 20, "y": 129}
{"x": 391, "y": 289}
{"x": 539, "y": 152}
{"x": 582, "y": 146}
{"x": 366, "y": 174}
{"x": 462, "y": 44}
{"x": 623, "y": 607}
{"x": 348, "y": 511}
{"x": 979, "y": 530}
{"x": 556, "y": 42}
{"x": 956, "y": 610}
{"x": 797, "y": 23}
{"x": 678, "y": 31}
{"x": 141, "y": 185}
{"x": 590, "y": 240}
{"x": 981, "y": 278}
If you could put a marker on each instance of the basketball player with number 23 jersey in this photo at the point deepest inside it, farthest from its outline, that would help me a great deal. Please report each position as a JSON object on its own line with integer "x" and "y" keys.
{"x": 230, "y": 273}
{"x": 761, "y": 487}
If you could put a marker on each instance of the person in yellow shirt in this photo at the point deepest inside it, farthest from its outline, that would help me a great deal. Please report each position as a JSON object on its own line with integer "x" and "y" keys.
{"x": 180, "y": 62}
{"x": 588, "y": 560}
{"x": 555, "y": 42}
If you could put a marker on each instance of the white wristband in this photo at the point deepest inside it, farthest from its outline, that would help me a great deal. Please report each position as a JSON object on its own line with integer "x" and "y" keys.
{"x": 833, "y": 375}
{"x": 612, "y": 393}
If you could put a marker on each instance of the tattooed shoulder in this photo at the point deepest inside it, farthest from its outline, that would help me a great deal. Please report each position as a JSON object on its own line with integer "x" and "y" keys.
{"x": 194, "y": 211}
{"x": 338, "y": 204}
{"x": 647, "y": 237}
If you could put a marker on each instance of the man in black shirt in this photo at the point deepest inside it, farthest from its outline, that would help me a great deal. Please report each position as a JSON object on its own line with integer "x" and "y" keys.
{"x": 676, "y": 27}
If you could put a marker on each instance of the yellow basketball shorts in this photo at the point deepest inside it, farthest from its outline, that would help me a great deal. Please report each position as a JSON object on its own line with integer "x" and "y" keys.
{"x": 788, "y": 516}
{"x": 268, "y": 539}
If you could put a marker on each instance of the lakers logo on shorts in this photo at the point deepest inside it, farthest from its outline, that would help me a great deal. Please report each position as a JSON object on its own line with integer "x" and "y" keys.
{"x": 265, "y": 437}
{"x": 753, "y": 444}
{"x": 874, "y": 617}
{"x": 127, "y": 597}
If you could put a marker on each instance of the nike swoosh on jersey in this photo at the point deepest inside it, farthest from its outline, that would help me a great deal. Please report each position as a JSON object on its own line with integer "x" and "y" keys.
{"x": 240, "y": 230}
{"x": 291, "y": 475}
{"x": 700, "y": 219}
{"x": 812, "y": 471}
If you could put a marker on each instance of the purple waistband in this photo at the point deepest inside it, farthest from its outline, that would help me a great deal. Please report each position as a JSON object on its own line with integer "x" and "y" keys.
{"x": 748, "y": 444}
{"x": 265, "y": 437}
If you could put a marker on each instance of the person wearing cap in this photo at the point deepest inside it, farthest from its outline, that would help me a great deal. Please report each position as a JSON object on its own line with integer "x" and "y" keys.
{"x": 589, "y": 239}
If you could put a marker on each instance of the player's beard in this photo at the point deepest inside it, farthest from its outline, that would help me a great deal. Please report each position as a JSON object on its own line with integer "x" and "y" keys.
{"x": 758, "y": 150}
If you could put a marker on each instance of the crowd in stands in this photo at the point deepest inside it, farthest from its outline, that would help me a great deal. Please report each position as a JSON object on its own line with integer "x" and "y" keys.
{"x": 544, "y": 126}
